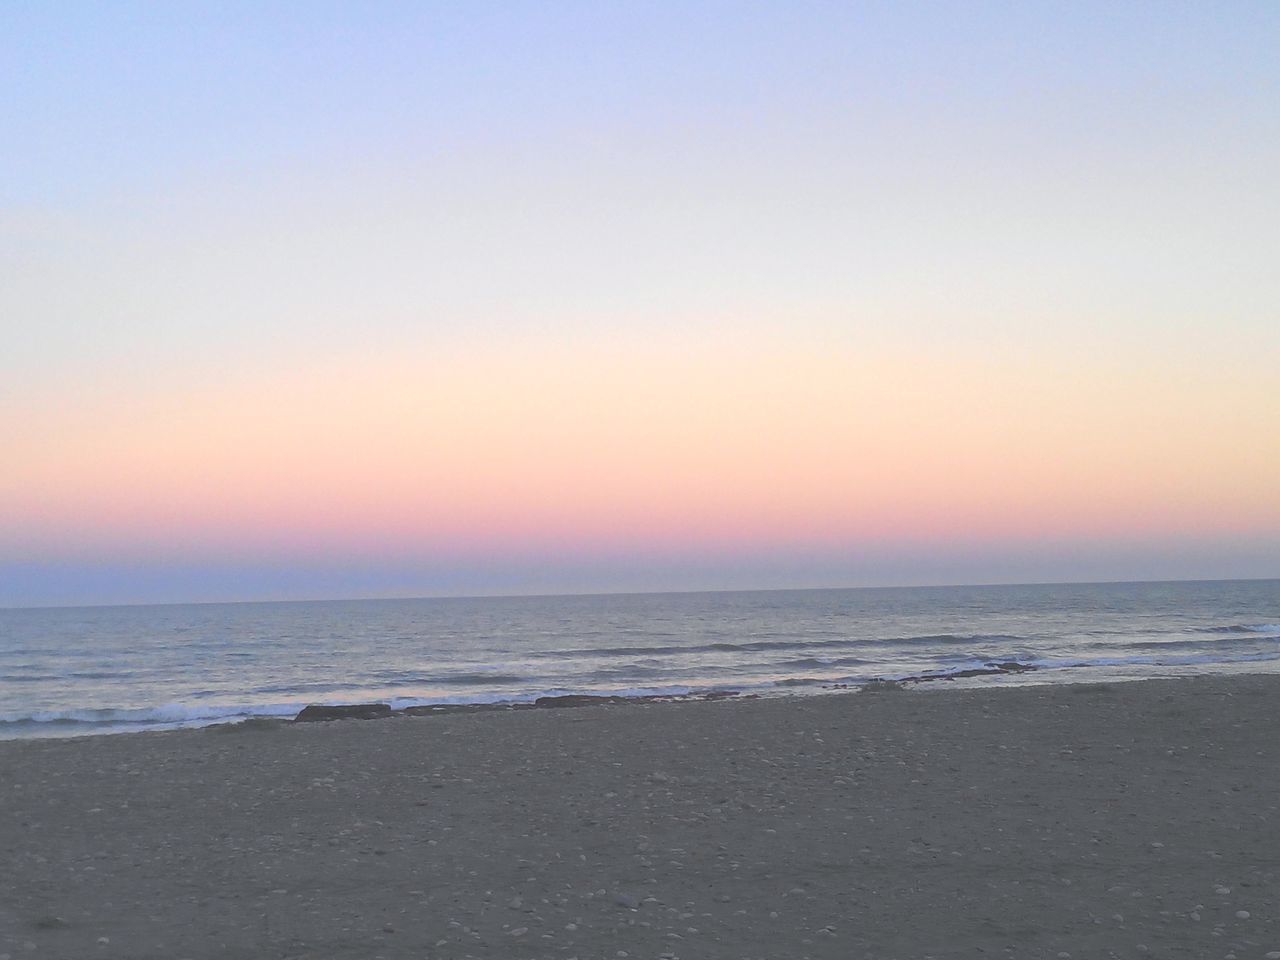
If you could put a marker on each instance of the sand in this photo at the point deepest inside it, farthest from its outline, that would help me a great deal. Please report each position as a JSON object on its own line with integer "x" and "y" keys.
{"x": 1128, "y": 820}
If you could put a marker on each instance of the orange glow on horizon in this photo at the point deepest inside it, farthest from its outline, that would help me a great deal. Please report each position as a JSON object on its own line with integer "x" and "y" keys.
{"x": 665, "y": 443}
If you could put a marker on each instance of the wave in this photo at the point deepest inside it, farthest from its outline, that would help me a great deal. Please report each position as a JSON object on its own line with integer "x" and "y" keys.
{"x": 972, "y": 668}
{"x": 765, "y": 646}
{"x": 1038, "y": 664}
{"x": 1157, "y": 661}
{"x": 1242, "y": 628}
{"x": 168, "y": 714}
{"x": 32, "y": 678}
{"x": 821, "y": 662}
{"x": 950, "y": 639}
{"x": 388, "y": 683}
{"x": 1227, "y": 643}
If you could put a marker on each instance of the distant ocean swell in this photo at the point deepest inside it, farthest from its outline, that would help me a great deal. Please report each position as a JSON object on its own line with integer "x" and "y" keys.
{"x": 1245, "y": 628}
{"x": 758, "y": 646}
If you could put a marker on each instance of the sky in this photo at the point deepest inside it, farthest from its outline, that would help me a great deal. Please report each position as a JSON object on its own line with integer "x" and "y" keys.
{"x": 405, "y": 299}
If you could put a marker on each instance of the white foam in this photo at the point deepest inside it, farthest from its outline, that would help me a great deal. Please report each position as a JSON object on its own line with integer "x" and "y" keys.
{"x": 1157, "y": 661}
{"x": 169, "y": 713}
{"x": 176, "y": 715}
{"x": 464, "y": 699}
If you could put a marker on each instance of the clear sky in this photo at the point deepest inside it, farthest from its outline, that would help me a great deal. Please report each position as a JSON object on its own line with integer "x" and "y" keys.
{"x": 339, "y": 299}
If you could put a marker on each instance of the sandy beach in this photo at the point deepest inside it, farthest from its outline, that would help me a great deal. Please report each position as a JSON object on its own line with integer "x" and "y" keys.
{"x": 1126, "y": 820}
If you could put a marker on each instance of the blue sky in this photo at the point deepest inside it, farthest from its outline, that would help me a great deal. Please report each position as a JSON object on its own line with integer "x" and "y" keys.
{"x": 205, "y": 205}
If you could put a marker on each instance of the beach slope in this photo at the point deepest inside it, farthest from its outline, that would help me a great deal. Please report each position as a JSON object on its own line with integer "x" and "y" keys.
{"x": 1126, "y": 820}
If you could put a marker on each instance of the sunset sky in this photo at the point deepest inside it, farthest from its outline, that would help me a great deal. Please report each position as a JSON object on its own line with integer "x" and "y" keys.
{"x": 336, "y": 299}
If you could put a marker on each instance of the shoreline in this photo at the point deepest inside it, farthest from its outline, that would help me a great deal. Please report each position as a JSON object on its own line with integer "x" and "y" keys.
{"x": 385, "y": 708}
{"x": 986, "y": 676}
{"x": 1027, "y": 821}
{"x": 326, "y": 712}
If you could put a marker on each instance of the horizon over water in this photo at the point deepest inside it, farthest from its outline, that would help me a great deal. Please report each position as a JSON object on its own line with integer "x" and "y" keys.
{"x": 569, "y": 594}
{"x": 68, "y": 671}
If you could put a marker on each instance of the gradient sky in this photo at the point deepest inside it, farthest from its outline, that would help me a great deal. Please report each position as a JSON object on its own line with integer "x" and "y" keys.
{"x": 321, "y": 299}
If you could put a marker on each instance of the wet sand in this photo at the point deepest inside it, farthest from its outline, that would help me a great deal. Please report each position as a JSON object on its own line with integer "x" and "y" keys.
{"x": 1128, "y": 820}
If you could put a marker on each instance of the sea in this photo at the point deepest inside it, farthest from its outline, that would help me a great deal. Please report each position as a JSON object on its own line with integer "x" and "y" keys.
{"x": 108, "y": 670}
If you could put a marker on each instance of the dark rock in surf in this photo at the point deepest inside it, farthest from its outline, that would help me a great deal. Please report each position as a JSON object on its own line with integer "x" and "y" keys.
{"x": 1012, "y": 666}
{"x": 989, "y": 669}
{"x": 349, "y": 711}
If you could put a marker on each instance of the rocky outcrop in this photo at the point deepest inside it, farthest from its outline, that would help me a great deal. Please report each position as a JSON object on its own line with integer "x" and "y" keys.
{"x": 377, "y": 711}
{"x": 349, "y": 711}
{"x": 986, "y": 670}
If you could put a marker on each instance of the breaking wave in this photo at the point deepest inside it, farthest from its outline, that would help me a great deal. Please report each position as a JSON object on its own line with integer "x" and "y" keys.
{"x": 1243, "y": 628}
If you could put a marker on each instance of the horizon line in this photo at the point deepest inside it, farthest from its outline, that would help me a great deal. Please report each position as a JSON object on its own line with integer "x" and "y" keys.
{"x": 635, "y": 593}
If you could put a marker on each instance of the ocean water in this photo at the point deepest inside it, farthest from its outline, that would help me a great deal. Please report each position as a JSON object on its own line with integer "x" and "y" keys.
{"x": 67, "y": 672}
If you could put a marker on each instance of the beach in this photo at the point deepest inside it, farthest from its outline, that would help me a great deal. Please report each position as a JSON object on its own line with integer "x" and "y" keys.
{"x": 1090, "y": 820}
